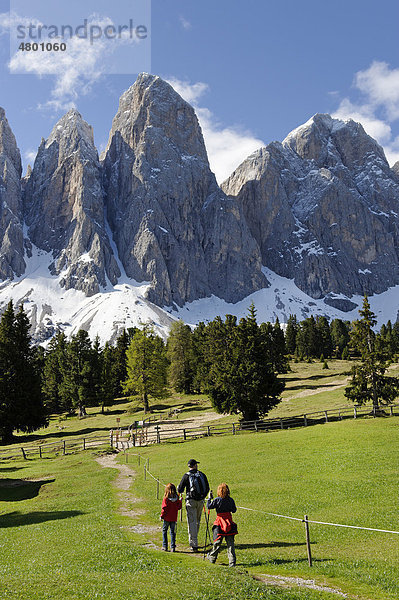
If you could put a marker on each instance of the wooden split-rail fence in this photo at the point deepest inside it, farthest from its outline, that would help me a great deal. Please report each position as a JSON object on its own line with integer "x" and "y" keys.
{"x": 155, "y": 432}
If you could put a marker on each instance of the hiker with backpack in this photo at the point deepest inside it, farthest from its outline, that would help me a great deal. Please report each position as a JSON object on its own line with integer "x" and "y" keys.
{"x": 196, "y": 485}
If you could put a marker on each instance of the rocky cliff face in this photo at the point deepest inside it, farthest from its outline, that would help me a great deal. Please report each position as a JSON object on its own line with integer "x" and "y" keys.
{"x": 323, "y": 207}
{"x": 64, "y": 207}
{"x": 172, "y": 224}
{"x": 11, "y": 233}
{"x": 320, "y": 208}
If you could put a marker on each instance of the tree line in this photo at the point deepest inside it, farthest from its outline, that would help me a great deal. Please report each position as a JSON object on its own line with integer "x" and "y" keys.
{"x": 315, "y": 337}
{"x": 238, "y": 363}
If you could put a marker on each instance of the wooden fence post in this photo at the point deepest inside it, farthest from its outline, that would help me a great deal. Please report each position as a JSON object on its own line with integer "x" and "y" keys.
{"x": 24, "y": 454}
{"x": 138, "y": 458}
{"x": 281, "y": 424}
{"x": 184, "y": 434}
{"x": 308, "y": 540}
{"x": 391, "y": 409}
{"x": 111, "y": 438}
{"x": 145, "y": 473}
{"x": 209, "y": 430}
{"x": 234, "y": 429}
{"x": 40, "y": 452}
{"x": 84, "y": 443}
{"x": 63, "y": 447}
{"x": 305, "y": 420}
{"x": 157, "y": 489}
{"x": 326, "y": 416}
{"x": 354, "y": 413}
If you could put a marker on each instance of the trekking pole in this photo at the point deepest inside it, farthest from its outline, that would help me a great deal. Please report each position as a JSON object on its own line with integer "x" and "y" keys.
{"x": 207, "y": 532}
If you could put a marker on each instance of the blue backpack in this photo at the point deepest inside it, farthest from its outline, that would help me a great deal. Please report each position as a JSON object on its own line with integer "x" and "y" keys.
{"x": 197, "y": 484}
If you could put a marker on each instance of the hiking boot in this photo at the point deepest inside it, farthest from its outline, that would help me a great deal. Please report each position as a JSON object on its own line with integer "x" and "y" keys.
{"x": 194, "y": 549}
{"x": 173, "y": 549}
{"x": 164, "y": 549}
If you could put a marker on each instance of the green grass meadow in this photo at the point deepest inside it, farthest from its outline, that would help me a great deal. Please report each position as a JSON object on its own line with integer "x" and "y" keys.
{"x": 341, "y": 472}
{"x": 62, "y": 537}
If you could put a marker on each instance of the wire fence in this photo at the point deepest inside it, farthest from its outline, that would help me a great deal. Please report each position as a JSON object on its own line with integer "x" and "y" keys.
{"x": 305, "y": 519}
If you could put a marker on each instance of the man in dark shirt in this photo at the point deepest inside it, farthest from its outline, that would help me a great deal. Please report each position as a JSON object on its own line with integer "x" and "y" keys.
{"x": 196, "y": 485}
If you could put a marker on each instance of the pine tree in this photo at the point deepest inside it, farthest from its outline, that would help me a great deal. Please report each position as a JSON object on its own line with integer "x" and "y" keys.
{"x": 200, "y": 365}
{"x": 108, "y": 384}
{"x": 308, "y": 340}
{"x": 52, "y": 374}
{"x": 181, "y": 359}
{"x": 345, "y": 353}
{"x": 291, "y": 333}
{"x": 96, "y": 373}
{"x": 275, "y": 342}
{"x": 339, "y": 336}
{"x": 241, "y": 376}
{"x": 146, "y": 366}
{"x": 324, "y": 341}
{"x": 76, "y": 387}
{"x": 119, "y": 362}
{"x": 369, "y": 382}
{"x": 21, "y": 403}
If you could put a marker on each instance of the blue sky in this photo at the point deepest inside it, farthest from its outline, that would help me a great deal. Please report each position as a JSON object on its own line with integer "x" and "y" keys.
{"x": 255, "y": 70}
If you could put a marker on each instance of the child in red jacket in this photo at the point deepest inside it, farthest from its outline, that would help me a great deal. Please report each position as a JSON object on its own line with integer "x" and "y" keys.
{"x": 171, "y": 504}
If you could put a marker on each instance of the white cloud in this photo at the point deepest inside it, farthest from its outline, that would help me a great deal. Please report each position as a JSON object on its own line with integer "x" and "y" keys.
{"x": 75, "y": 70}
{"x": 30, "y": 156}
{"x": 227, "y": 147}
{"x": 380, "y": 84}
{"x": 191, "y": 92}
{"x": 378, "y": 107}
{"x": 184, "y": 23}
{"x": 363, "y": 113}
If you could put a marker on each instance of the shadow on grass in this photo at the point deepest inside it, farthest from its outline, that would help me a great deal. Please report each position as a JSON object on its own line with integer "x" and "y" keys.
{"x": 194, "y": 409}
{"x": 17, "y": 519}
{"x": 286, "y": 561}
{"x": 62, "y": 434}
{"x": 307, "y": 386}
{"x": 159, "y": 407}
{"x": 315, "y": 377}
{"x": 259, "y": 562}
{"x": 10, "y": 469}
{"x": 270, "y": 545}
{"x": 15, "y": 490}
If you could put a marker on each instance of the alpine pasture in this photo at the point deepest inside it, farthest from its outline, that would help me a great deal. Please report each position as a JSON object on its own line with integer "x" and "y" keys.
{"x": 62, "y": 534}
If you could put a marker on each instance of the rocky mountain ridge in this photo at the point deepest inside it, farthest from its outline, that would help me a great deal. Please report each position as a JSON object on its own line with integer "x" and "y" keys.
{"x": 320, "y": 208}
{"x": 323, "y": 207}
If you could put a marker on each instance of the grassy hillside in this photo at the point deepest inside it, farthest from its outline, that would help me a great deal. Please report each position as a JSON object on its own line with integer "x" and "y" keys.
{"x": 343, "y": 472}
{"x": 61, "y": 539}
{"x": 309, "y": 388}
{"x": 61, "y": 535}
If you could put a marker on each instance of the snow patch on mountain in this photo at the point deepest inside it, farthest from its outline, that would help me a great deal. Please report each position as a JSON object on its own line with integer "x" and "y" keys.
{"x": 52, "y": 308}
{"x": 283, "y": 298}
